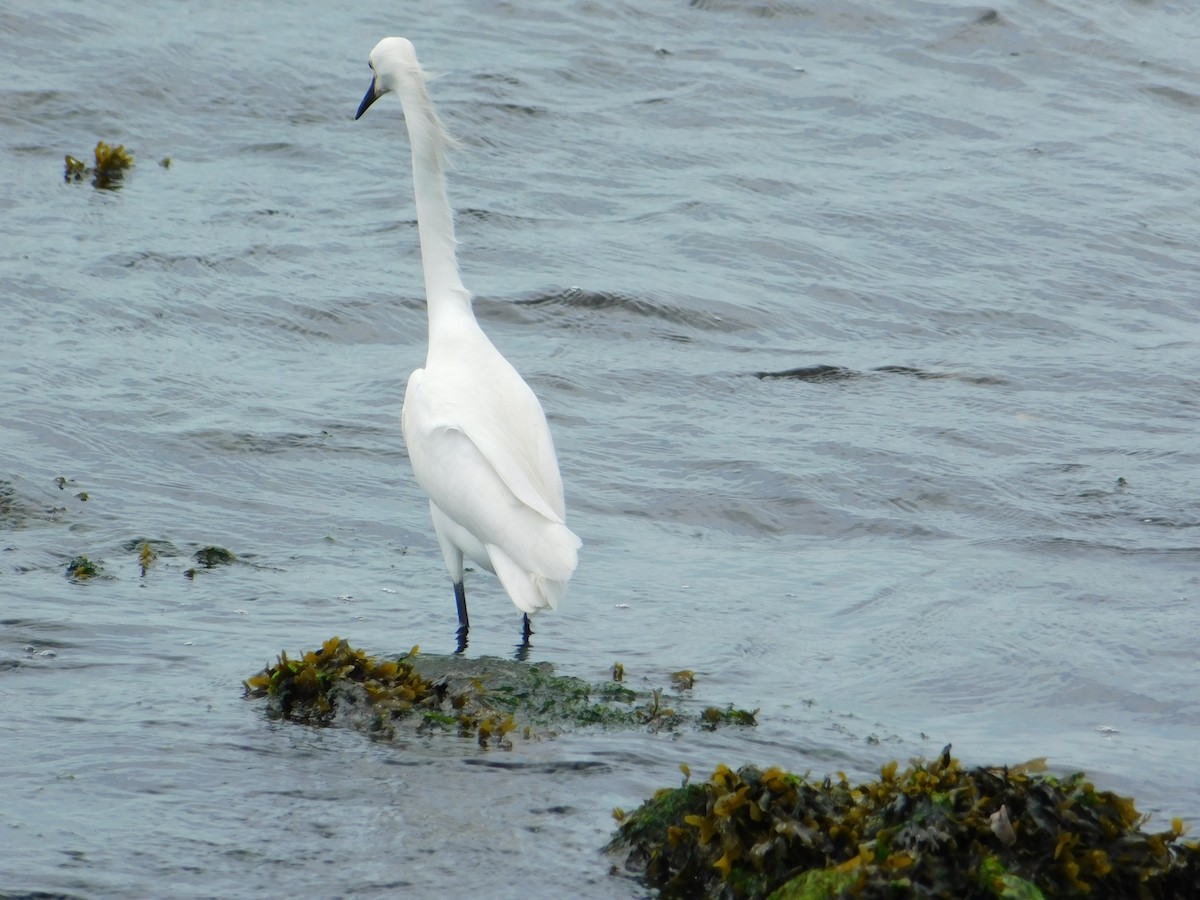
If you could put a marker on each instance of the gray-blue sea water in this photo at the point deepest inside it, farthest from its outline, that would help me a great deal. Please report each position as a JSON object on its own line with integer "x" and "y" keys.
{"x": 868, "y": 331}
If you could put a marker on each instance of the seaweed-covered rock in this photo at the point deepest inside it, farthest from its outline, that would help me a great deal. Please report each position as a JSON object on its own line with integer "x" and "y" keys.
{"x": 338, "y": 680}
{"x": 211, "y": 557}
{"x": 489, "y": 698}
{"x": 933, "y": 830}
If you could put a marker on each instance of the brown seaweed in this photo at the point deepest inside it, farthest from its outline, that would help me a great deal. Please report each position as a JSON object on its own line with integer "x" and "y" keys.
{"x": 933, "y": 830}
{"x": 487, "y": 699}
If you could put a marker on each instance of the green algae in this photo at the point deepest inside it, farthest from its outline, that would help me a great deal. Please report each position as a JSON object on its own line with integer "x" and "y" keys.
{"x": 999, "y": 882}
{"x": 492, "y": 700}
{"x": 933, "y": 830}
{"x": 81, "y": 568}
{"x": 713, "y": 717}
{"x": 818, "y": 885}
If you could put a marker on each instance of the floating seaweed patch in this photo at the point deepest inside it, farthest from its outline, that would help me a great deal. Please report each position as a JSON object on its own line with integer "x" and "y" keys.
{"x": 148, "y": 551}
{"x": 684, "y": 679}
{"x": 489, "y": 699}
{"x": 111, "y": 163}
{"x": 81, "y": 569}
{"x": 62, "y": 482}
{"x": 933, "y": 830}
{"x": 146, "y": 556}
{"x": 713, "y": 717}
{"x": 76, "y": 169}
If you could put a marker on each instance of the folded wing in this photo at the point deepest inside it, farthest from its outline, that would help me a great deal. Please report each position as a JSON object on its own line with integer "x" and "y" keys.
{"x": 490, "y": 467}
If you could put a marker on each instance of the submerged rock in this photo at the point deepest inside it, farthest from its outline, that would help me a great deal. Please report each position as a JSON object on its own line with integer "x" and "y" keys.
{"x": 489, "y": 699}
{"x": 211, "y": 557}
{"x": 933, "y": 830}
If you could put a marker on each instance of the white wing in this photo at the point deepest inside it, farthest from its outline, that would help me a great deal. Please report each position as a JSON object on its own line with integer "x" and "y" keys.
{"x": 480, "y": 447}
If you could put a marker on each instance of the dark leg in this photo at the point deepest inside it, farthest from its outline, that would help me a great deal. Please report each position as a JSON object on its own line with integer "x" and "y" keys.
{"x": 464, "y": 625}
{"x": 523, "y": 648}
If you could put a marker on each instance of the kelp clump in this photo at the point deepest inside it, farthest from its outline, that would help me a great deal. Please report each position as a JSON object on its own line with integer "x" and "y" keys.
{"x": 148, "y": 551}
{"x": 80, "y": 568}
{"x": 933, "y": 830}
{"x": 489, "y": 699}
{"x": 340, "y": 680}
{"x": 111, "y": 163}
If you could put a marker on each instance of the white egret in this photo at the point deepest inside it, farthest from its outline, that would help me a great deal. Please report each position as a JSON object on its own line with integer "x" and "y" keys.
{"x": 476, "y": 434}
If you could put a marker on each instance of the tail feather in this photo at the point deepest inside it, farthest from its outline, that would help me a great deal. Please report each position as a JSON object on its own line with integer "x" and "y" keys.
{"x": 530, "y": 591}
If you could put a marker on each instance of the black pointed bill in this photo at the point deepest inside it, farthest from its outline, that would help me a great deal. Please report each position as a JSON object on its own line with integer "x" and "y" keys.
{"x": 371, "y": 96}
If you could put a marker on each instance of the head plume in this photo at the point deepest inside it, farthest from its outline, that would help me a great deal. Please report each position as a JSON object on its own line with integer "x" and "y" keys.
{"x": 394, "y": 62}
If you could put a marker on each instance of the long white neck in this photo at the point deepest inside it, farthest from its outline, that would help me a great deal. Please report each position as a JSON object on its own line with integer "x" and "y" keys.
{"x": 445, "y": 295}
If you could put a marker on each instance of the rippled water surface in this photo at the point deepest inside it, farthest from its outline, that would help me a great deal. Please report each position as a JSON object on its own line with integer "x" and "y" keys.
{"x": 868, "y": 333}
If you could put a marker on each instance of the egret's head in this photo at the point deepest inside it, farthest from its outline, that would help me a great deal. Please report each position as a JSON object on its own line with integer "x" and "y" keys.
{"x": 390, "y": 60}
